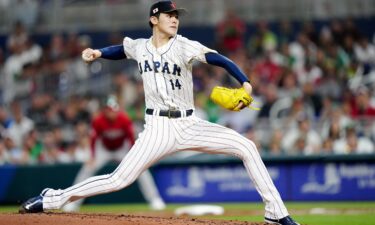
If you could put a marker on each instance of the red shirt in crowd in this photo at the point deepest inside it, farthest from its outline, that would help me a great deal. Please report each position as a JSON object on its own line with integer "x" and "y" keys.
{"x": 268, "y": 71}
{"x": 113, "y": 133}
{"x": 231, "y": 32}
{"x": 360, "y": 105}
{"x": 362, "y": 112}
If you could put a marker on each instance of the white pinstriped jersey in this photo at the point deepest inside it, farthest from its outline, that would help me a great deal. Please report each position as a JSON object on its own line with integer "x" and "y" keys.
{"x": 167, "y": 71}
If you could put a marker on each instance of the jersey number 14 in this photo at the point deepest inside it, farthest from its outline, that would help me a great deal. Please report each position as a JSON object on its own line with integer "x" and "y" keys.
{"x": 175, "y": 84}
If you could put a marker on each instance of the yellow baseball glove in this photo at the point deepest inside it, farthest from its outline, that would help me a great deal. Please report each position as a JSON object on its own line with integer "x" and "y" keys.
{"x": 230, "y": 98}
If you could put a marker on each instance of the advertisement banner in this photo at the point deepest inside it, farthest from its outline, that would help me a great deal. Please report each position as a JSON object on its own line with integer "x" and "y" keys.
{"x": 212, "y": 183}
{"x": 333, "y": 181}
{"x": 307, "y": 181}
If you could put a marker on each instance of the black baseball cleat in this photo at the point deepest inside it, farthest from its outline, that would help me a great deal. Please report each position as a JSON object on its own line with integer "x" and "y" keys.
{"x": 33, "y": 205}
{"x": 283, "y": 221}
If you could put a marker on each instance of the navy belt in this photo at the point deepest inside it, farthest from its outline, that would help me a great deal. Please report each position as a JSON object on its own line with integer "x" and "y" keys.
{"x": 170, "y": 113}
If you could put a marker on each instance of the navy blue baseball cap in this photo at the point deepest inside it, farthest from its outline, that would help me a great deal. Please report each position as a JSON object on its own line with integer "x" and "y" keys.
{"x": 165, "y": 7}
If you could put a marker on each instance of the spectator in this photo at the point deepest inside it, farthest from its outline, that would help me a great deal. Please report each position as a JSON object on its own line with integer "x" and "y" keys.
{"x": 356, "y": 75}
{"x": 365, "y": 51}
{"x": 307, "y": 144}
{"x": 62, "y": 155}
{"x": 17, "y": 38}
{"x": 37, "y": 111}
{"x": 57, "y": 48}
{"x": 348, "y": 47}
{"x": 52, "y": 115}
{"x": 274, "y": 146}
{"x": 338, "y": 58}
{"x": 16, "y": 155}
{"x": 251, "y": 134}
{"x": 288, "y": 85}
{"x": 76, "y": 68}
{"x": 74, "y": 111}
{"x": 309, "y": 73}
{"x": 334, "y": 124}
{"x": 361, "y": 106}
{"x": 126, "y": 89}
{"x": 51, "y": 151}
{"x": 33, "y": 146}
{"x": 5, "y": 120}
{"x": 230, "y": 32}
{"x": 263, "y": 41}
{"x": 352, "y": 144}
{"x": 267, "y": 70}
{"x": 83, "y": 113}
{"x": 300, "y": 147}
{"x": 301, "y": 50}
{"x": 327, "y": 146}
{"x": 311, "y": 98}
{"x": 21, "y": 125}
{"x": 82, "y": 153}
{"x": 23, "y": 54}
{"x": 330, "y": 86}
{"x": 270, "y": 96}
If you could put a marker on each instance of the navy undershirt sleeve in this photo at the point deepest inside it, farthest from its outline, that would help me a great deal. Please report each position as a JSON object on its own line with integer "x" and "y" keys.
{"x": 114, "y": 52}
{"x": 222, "y": 61}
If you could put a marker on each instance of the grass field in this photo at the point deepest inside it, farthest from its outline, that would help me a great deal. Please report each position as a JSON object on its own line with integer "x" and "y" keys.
{"x": 312, "y": 213}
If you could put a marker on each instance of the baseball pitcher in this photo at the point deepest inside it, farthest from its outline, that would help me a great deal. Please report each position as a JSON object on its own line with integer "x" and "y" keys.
{"x": 165, "y": 63}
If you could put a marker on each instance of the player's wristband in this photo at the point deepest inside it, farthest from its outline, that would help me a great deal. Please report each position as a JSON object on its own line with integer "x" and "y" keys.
{"x": 114, "y": 52}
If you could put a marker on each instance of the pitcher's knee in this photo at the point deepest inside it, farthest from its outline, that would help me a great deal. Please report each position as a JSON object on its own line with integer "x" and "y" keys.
{"x": 117, "y": 183}
{"x": 248, "y": 150}
{"x": 114, "y": 182}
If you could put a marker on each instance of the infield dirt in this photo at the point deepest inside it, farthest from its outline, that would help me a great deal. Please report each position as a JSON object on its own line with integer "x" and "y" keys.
{"x": 106, "y": 219}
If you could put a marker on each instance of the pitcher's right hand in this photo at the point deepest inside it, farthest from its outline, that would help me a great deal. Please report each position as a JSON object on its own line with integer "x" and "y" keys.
{"x": 89, "y": 55}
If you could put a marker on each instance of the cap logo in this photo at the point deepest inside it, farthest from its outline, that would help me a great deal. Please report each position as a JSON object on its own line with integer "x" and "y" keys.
{"x": 173, "y": 5}
{"x": 155, "y": 10}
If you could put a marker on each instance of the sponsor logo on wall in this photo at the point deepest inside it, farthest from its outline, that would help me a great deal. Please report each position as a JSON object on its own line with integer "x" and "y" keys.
{"x": 362, "y": 175}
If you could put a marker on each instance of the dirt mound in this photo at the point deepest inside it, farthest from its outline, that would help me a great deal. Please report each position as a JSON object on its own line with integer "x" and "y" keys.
{"x": 105, "y": 219}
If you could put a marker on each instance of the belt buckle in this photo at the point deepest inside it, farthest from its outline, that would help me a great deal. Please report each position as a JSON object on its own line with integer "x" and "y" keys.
{"x": 169, "y": 111}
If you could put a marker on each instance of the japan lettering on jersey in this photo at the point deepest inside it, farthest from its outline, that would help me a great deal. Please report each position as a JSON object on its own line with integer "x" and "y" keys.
{"x": 167, "y": 71}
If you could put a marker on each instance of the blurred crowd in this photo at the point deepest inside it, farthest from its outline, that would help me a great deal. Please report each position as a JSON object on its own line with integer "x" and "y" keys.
{"x": 315, "y": 89}
{"x": 315, "y": 85}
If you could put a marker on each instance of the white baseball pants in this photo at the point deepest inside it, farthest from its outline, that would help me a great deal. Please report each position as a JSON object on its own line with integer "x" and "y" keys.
{"x": 163, "y": 136}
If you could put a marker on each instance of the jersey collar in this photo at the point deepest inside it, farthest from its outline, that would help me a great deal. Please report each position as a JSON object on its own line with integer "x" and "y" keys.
{"x": 163, "y": 49}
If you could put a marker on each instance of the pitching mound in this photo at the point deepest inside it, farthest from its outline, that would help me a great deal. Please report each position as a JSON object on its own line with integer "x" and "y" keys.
{"x": 105, "y": 219}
